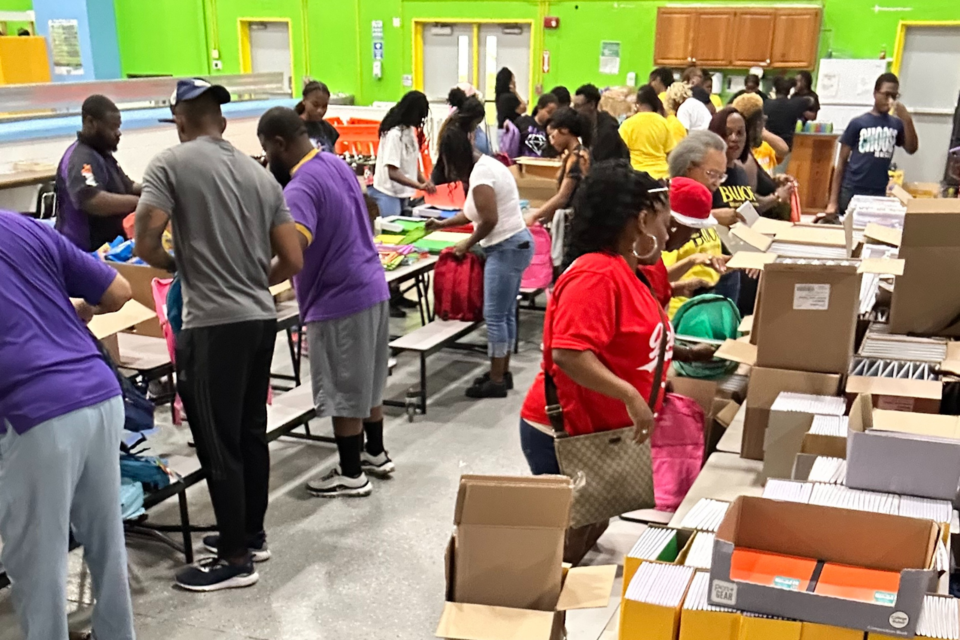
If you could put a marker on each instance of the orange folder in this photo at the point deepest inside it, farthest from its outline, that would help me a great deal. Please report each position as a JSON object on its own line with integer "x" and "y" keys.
{"x": 771, "y": 569}
{"x": 857, "y": 583}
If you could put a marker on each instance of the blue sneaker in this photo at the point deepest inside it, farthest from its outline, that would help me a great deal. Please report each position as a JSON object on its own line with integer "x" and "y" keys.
{"x": 214, "y": 574}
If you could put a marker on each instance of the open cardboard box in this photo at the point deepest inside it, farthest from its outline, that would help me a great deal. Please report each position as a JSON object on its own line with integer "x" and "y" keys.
{"x": 105, "y": 327}
{"x": 536, "y": 189}
{"x": 630, "y": 564}
{"x": 894, "y": 394}
{"x": 538, "y": 167}
{"x": 842, "y": 536}
{"x": 913, "y": 454}
{"x": 141, "y": 278}
{"x": 505, "y": 572}
{"x": 783, "y": 440}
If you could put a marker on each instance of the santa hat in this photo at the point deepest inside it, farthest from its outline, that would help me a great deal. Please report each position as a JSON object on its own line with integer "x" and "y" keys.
{"x": 690, "y": 204}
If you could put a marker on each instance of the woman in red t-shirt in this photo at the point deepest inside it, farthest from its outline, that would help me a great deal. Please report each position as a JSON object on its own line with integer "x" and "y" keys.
{"x": 603, "y": 326}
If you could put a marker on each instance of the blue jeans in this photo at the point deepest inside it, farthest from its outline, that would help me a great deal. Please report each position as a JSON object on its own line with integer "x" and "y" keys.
{"x": 506, "y": 262}
{"x": 388, "y": 205}
{"x": 538, "y": 449}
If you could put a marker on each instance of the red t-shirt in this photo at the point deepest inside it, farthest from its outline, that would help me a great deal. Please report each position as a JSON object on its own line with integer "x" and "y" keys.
{"x": 657, "y": 275}
{"x": 599, "y": 305}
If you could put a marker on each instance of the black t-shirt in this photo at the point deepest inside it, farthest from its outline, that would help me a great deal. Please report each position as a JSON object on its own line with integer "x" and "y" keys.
{"x": 743, "y": 91}
{"x": 607, "y": 143}
{"x": 815, "y": 100}
{"x": 701, "y": 94}
{"x": 783, "y": 115}
{"x": 735, "y": 190}
{"x": 872, "y": 139}
{"x": 533, "y": 138}
{"x": 323, "y": 135}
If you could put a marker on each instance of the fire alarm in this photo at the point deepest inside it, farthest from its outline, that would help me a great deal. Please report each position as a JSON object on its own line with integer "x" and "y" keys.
{"x": 551, "y": 23}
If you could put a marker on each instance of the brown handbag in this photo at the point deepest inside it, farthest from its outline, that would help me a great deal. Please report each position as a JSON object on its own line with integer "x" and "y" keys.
{"x": 611, "y": 473}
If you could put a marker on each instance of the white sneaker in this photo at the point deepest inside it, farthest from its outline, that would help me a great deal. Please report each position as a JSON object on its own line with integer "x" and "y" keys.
{"x": 379, "y": 466}
{"x": 336, "y": 485}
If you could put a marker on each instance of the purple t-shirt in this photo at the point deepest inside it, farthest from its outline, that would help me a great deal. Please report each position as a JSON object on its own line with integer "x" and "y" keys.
{"x": 49, "y": 364}
{"x": 342, "y": 274}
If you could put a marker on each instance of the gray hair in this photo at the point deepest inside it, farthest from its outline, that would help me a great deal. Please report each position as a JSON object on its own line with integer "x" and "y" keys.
{"x": 692, "y": 150}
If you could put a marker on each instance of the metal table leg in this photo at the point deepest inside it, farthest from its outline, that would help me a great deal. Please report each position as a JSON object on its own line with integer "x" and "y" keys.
{"x": 185, "y": 527}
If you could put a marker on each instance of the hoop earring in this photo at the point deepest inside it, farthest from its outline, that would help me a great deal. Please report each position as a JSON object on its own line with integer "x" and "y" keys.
{"x": 656, "y": 249}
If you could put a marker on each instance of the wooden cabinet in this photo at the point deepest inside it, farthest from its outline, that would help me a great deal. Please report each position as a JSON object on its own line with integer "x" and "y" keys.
{"x": 738, "y": 37}
{"x": 754, "y": 37}
{"x": 796, "y": 39}
{"x": 714, "y": 36}
{"x": 674, "y": 40}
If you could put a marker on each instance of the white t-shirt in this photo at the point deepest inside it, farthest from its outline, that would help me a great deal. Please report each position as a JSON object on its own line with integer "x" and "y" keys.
{"x": 694, "y": 115}
{"x": 492, "y": 173}
{"x": 398, "y": 148}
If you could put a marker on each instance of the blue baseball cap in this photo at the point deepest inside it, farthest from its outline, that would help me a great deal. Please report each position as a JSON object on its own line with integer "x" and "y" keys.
{"x": 192, "y": 88}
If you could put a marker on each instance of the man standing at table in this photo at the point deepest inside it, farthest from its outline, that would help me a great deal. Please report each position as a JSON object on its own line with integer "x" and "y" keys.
{"x": 94, "y": 195}
{"x": 61, "y": 418}
{"x": 343, "y": 298}
{"x": 229, "y": 221}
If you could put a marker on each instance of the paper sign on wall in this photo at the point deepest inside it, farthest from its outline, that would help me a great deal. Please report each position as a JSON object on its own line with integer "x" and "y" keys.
{"x": 463, "y": 59}
{"x": 811, "y": 297}
{"x": 65, "y": 47}
{"x": 609, "y": 57}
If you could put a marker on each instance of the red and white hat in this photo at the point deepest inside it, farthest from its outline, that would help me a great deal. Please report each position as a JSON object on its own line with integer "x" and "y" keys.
{"x": 690, "y": 204}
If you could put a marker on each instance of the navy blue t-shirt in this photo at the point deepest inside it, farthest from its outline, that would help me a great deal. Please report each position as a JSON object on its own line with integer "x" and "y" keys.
{"x": 873, "y": 140}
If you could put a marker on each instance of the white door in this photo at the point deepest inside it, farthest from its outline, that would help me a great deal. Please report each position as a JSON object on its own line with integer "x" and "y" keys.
{"x": 270, "y": 49}
{"x": 929, "y": 86}
{"x": 504, "y": 45}
{"x": 447, "y": 58}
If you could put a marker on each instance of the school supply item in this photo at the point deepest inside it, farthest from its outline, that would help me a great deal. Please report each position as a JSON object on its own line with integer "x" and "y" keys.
{"x": 706, "y": 515}
{"x": 539, "y": 275}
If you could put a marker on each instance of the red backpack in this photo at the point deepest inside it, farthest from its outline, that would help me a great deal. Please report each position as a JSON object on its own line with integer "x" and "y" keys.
{"x": 458, "y": 287}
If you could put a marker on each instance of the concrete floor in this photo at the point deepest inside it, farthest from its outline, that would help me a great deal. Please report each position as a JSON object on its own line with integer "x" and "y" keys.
{"x": 349, "y": 569}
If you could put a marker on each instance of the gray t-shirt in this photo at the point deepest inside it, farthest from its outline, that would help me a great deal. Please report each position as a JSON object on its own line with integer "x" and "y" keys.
{"x": 223, "y": 205}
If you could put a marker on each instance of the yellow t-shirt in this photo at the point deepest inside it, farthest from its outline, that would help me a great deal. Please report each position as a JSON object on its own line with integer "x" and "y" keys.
{"x": 766, "y": 157}
{"x": 677, "y": 130}
{"x": 717, "y": 101}
{"x": 649, "y": 140}
{"x": 707, "y": 241}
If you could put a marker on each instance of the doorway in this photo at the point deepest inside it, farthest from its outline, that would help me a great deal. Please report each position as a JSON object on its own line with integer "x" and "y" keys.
{"x": 927, "y": 61}
{"x": 265, "y": 46}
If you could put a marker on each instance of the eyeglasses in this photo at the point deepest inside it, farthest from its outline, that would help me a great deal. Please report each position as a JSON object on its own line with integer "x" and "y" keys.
{"x": 716, "y": 175}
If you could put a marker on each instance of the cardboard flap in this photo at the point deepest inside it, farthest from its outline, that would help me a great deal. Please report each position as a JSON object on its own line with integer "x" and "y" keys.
{"x": 883, "y": 266}
{"x": 478, "y": 622}
{"x": 921, "y": 424}
{"x": 728, "y": 414}
{"x": 533, "y": 502}
{"x": 829, "y": 446}
{"x": 885, "y": 235}
{"x": 750, "y": 260}
{"x": 746, "y": 325}
{"x": 819, "y": 235}
{"x": 751, "y": 237}
{"x": 900, "y": 194}
{"x": 951, "y": 364}
{"x": 861, "y": 413}
{"x": 737, "y": 351}
{"x": 283, "y": 287}
{"x": 587, "y": 588}
{"x": 926, "y": 389}
{"x": 770, "y": 227}
{"x": 130, "y": 315}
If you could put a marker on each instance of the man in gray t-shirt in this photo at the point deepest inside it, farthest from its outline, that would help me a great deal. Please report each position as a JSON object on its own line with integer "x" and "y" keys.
{"x": 233, "y": 237}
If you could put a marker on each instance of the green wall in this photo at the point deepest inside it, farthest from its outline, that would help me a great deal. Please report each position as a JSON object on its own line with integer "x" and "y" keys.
{"x": 174, "y": 36}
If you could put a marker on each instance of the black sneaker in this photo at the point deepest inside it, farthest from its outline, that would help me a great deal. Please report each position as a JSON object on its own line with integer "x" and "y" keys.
{"x": 507, "y": 380}
{"x": 397, "y": 312}
{"x": 215, "y": 574}
{"x": 488, "y": 389}
{"x": 257, "y": 546}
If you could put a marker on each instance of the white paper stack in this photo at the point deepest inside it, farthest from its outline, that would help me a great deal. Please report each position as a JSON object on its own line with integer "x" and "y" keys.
{"x": 926, "y": 509}
{"x": 888, "y": 212}
{"x": 830, "y": 426}
{"x": 663, "y": 585}
{"x": 900, "y": 347}
{"x": 806, "y": 403}
{"x": 706, "y": 515}
{"x": 869, "y": 290}
{"x": 701, "y": 551}
{"x": 828, "y": 470}
{"x": 942, "y": 558}
{"x": 652, "y": 542}
{"x": 696, "y": 599}
{"x": 939, "y": 618}
{"x": 830, "y": 495}
{"x": 788, "y": 490}
{"x": 817, "y": 252}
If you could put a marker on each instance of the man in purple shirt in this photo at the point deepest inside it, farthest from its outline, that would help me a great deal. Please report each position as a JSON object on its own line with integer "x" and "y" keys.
{"x": 61, "y": 417}
{"x": 343, "y": 296}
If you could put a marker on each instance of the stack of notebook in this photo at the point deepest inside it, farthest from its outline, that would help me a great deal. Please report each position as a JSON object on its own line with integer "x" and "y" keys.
{"x": 939, "y": 618}
{"x": 700, "y": 555}
{"x": 656, "y": 544}
{"x": 830, "y": 426}
{"x": 706, "y": 515}
{"x": 828, "y": 470}
{"x": 651, "y": 607}
{"x": 788, "y": 490}
{"x": 887, "y": 212}
{"x": 830, "y": 495}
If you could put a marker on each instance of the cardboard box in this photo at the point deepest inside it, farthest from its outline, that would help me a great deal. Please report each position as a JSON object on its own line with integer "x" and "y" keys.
{"x": 919, "y": 396}
{"x": 925, "y": 300}
{"x": 631, "y": 564}
{"x": 765, "y": 385}
{"x": 842, "y": 536}
{"x": 755, "y": 628}
{"x": 538, "y": 167}
{"x": 906, "y": 453}
{"x": 141, "y": 278}
{"x": 536, "y": 189}
{"x": 505, "y": 573}
{"x": 641, "y": 619}
{"x": 807, "y": 316}
{"x": 105, "y": 327}
{"x": 786, "y": 430}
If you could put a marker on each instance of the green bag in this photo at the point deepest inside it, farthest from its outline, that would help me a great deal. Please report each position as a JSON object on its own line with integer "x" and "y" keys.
{"x": 707, "y": 316}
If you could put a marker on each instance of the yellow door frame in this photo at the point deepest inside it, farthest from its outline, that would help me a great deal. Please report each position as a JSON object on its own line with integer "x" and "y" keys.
{"x": 246, "y": 58}
{"x": 902, "y": 36}
{"x": 536, "y": 42}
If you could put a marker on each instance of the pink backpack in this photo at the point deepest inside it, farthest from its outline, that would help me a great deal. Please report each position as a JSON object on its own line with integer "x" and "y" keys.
{"x": 677, "y": 448}
{"x": 539, "y": 275}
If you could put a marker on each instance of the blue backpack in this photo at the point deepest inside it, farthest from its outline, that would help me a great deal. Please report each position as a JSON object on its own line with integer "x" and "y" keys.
{"x": 138, "y": 409}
